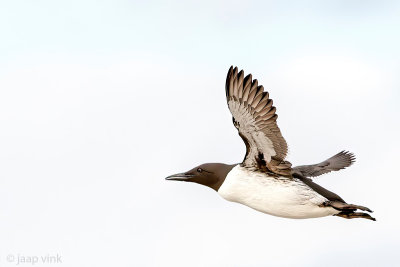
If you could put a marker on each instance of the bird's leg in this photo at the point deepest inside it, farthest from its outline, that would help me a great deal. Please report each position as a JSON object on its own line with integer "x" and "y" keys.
{"x": 344, "y": 206}
{"x": 352, "y": 215}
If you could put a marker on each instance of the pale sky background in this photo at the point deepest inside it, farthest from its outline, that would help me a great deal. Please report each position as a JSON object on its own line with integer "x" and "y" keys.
{"x": 101, "y": 100}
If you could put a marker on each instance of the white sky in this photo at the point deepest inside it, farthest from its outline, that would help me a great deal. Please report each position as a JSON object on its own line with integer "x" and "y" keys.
{"x": 100, "y": 100}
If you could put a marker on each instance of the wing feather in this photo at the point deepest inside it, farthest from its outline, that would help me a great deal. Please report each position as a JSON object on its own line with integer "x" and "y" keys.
{"x": 255, "y": 118}
{"x": 246, "y": 87}
{"x": 339, "y": 161}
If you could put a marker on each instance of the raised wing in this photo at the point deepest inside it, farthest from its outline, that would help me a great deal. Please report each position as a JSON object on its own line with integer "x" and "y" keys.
{"x": 340, "y": 161}
{"x": 255, "y": 118}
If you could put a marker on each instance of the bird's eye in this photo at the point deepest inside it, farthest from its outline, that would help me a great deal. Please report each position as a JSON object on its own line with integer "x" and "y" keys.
{"x": 199, "y": 169}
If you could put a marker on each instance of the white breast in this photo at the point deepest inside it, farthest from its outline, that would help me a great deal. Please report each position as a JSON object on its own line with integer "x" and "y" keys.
{"x": 282, "y": 197}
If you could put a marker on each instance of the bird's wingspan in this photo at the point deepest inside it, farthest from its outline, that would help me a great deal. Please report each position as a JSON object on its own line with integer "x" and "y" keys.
{"x": 339, "y": 161}
{"x": 254, "y": 117}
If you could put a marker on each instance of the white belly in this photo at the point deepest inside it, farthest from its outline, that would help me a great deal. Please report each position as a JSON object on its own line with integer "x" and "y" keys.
{"x": 283, "y": 197}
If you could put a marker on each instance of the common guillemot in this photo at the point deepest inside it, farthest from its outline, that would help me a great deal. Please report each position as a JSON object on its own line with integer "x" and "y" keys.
{"x": 264, "y": 181}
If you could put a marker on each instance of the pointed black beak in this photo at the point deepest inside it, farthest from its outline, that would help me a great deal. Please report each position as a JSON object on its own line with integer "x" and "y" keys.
{"x": 179, "y": 177}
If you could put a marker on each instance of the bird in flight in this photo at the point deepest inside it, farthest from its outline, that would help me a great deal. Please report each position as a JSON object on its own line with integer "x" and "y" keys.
{"x": 265, "y": 181}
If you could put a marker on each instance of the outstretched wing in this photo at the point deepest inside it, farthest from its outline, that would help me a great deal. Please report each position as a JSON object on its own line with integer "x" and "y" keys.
{"x": 338, "y": 162}
{"x": 255, "y": 118}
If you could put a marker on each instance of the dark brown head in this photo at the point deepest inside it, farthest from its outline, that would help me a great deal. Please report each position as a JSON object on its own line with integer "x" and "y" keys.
{"x": 209, "y": 174}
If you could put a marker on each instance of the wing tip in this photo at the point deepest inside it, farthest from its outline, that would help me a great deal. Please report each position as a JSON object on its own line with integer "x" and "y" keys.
{"x": 232, "y": 76}
{"x": 349, "y": 156}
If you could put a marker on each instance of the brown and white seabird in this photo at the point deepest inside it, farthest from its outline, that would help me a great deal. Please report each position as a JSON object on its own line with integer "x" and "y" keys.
{"x": 265, "y": 181}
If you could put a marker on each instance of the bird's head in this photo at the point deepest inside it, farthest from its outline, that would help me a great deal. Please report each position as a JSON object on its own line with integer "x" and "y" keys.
{"x": 208, "y": 174}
